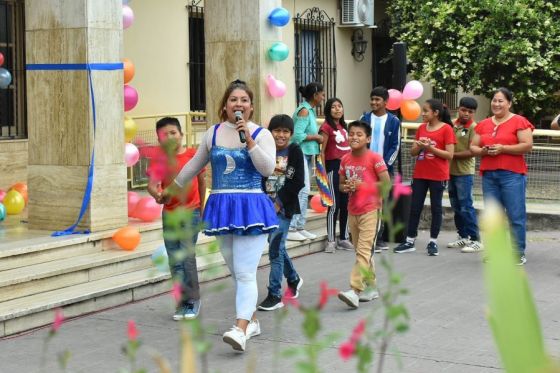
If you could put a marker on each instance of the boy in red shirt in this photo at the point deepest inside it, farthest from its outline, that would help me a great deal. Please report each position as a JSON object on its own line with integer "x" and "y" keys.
{"x": 360, "y": 173}
{"x": 181, "y": 215}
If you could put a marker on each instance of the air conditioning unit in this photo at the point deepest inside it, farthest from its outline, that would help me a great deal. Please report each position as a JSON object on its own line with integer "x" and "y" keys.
{"x": 357, "y": 12}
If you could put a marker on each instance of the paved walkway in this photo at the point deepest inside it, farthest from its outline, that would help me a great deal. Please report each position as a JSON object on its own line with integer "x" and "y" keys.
{"x": 449, "y": 332}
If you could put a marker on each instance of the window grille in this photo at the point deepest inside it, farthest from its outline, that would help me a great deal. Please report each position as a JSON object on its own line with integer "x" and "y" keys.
{"x": 196, "y": 57}
{"x": 449, "y": 99}
{"x": 315, "y": 51}
{"x": 13, "y": 123}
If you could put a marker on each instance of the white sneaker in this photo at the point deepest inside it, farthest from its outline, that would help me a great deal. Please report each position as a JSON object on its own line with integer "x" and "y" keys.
{"x": 253, "y": 329}
{"x": 368, "y": 295}
{"x": 473, "y": 247}
{"x": 345, "y": 245}
{"x": 459, "y": 242}
{"x": 235, "y": 338}
{"x": 330, "y": 247}
{"x": 307, "y": 235}
{"x": 350, "y": 298}
{"x": 295, "y": 236}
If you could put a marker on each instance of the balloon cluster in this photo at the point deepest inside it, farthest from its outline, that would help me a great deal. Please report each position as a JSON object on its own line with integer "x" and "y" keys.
{"x": 131, "y": 154}
{"x": 405, "y": 101}
{"x": 13, "y": 201}
{"x": 5, "y": 76}
{"x": 277, "y": 52}
{"x": 143, "y": 208}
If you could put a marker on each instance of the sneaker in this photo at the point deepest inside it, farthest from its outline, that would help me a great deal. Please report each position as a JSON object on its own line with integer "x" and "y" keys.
{"x": 376, "y": 249}
{"x": 368, "y": 295}
{"x": 295, "y": 236}
{"x": 432, "y": 249}
{"x": 330, "y": 247}
{"x": 307, "y": 235}
{"x": 381, "y": 245}
{"x": 235, "y": 338}
{"x": 345, "y": 245}
{"x": 271, "y": 303}
{"x": 350, "y": 298}
{"x": 253, "y": 329}
{"x": 522, "y": 260}
{"x": 192, "y": 309}
{"x": 459, "y": 242}
{"x": 473, "y": 247}
{"x": 294, "y": 287}
{"x": 405, "y": 247}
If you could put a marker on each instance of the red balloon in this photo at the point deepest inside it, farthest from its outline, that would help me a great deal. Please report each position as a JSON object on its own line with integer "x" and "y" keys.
{"x": 147, "y": 209}
{"x": 316, "y": 204}
{"x": 394, "y": 100}
{"x": 2, "y": 195}
{"x": 1, "y": 59}
{"x": 133, "y": 199}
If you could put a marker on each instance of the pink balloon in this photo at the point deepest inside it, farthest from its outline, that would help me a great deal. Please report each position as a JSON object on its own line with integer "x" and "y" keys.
{"x": 412, "y": 90}
{"x": 131, "y": 154}
{"x": 133, "y": 199}
{"x": 395, "y": 98}
{"x": 2, "y": 194}
{"x": 130, "y": 97}
{"x": 127, "y": 16}
{"x": 1, "y": 59}
{"x": 147, "y": 209}
{"x": 276, "y": 87}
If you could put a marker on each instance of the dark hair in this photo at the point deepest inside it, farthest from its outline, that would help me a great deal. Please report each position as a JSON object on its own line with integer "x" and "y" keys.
{"x": 506, "y": 92}
{"x": 309, "y": 90}
{"x": 443, "y": 112}
{"x": 166, "y": 121}
{"x": 380, "y": 92}
{"x": 281, "y": 121}
{"x": 236, "y": 84}
{"x": 328, "y": 116}
{"x": 360, "y": 123}
{"x": 468, "y": 102}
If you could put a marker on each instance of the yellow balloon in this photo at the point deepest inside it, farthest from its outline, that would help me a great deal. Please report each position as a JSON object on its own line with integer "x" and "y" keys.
{"x": 130, "y": 129}
{"x": 14, "y": 202}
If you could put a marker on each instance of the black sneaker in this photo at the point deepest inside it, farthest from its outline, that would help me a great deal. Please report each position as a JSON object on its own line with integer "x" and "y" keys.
{"x": 522, "y": 260}
{"x": 271, "y": 303}
{"x": 432, "y": 249}
{"x": 405, "y": 247}
{"x": 294, "y": 287}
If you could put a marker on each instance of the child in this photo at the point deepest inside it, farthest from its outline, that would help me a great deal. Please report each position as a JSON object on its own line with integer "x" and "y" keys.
{"x": 386, "y": 140}
{"x": 433, "y": 149}
{"x": 283, "y": 188}
{"x": 335, "y": 146}
{"x": 179, "y": 239}
{"x": 360, "y": 172}
{"x": 461, "y": 179}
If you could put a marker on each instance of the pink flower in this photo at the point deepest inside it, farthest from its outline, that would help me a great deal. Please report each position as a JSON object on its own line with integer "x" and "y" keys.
{"x": 346, "y": 350}
{"x": 399, "y": 189}
{"x": 132, "y": 331}
{"x": 358, "y": 331}
{"x": 176, "y": 292}
{"x": 288, "y": 298}
{"x": 58, "y": 320}
{"x": 326, "y": 293}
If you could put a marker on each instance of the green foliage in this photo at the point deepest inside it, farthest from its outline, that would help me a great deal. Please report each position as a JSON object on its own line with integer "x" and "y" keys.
{"x": 480, "y": 45}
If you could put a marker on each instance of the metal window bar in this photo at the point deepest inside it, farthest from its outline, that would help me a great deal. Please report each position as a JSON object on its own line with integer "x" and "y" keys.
{"x": 196, "y": 57}
{"x": 315, "y": 51}
{"x": 449, "y": 99}
{"x": 12, "y": 99}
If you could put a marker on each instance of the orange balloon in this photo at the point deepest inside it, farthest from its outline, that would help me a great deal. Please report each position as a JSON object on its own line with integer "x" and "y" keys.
{"x": 22, "y": 189}
{"x": 127, "y": 238}
{"x": 410, "y": 109}
{"x": 316, "y": 204}
{"x": 129, "y": 70}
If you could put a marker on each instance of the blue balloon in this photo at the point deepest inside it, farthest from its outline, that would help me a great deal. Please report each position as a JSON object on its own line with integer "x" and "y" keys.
{"x": 5, "y": 78}
{"x": 278, "y": 51}
{"x": 160, "y": 259}
{"x": 2, "y": 212}
{"x": 279, "y": 17}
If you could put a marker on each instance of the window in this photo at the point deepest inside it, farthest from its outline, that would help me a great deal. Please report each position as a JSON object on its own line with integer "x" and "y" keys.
{"x": 196, "y": 59}
{"x": 315, "y": 58}
{"x": 449, "y": 99}
{"x": 12, "y": 99}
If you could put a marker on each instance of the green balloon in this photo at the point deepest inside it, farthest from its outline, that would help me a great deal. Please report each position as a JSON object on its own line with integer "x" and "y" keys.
{"x": 278, "y": 51}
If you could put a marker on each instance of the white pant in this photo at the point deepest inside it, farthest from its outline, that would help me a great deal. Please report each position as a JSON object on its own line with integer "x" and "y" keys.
{"x": 242, "y": 255}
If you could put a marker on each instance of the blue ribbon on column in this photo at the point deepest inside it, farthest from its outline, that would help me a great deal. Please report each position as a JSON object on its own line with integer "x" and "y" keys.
{"x": 89, "y": 67}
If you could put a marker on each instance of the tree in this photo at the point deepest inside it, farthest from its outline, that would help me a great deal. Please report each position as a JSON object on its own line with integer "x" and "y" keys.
{"x": 480, "y": 45}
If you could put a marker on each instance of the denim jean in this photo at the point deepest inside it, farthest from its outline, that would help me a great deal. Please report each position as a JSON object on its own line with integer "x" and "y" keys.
{"x": 298, "y": 220}
{"x": 460, "y": 196}
{"x": 508, "y": 189}
{"x": 420, "y": 188}
{"x": 180, "y": 235}
{"x": 280, "y": 263}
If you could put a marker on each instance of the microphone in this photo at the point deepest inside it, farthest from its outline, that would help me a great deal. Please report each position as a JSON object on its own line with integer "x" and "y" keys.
{"x": 238, "y": 117}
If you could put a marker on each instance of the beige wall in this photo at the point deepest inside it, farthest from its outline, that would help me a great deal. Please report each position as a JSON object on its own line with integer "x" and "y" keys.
{"x": 13, "y": 162}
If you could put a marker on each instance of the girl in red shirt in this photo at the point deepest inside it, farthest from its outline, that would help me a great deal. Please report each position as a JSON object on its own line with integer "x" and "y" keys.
{"x": 501, "y": 141}
{"x": 335, "y": 146}
{"x": 433, "y": 149}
